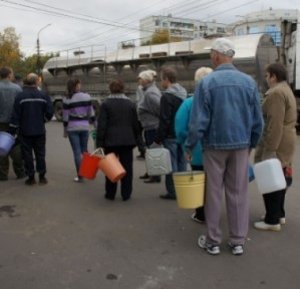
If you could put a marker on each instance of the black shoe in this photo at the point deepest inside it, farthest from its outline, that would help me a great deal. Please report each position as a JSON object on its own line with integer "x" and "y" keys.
{"x": 145, "y": 176}
{"x": 30, "y": 182}
{"x": 168, "y": 197}
{"x": 3, "y": 179}
{"x": 140, "y": 157}
{"x": 197, "y": 219}
{"x": 43, "y": 181}
{"x": 152, "y": 180}
{"x": 21, "y": 176}
{"x": 109, "y": 198}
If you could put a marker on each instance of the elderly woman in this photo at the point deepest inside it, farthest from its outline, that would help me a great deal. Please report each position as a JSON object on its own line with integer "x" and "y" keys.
{"x": 118, "y": 132}
{"x": 278, "y": 141}
{"x": 181, "y": 128}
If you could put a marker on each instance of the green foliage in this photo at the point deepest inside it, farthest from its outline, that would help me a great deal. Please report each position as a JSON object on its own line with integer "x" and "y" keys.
{"x": 10, "y": 54}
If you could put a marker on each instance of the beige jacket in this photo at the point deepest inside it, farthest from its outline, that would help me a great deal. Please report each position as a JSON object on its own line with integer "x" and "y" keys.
{"x": 280, "y": 115}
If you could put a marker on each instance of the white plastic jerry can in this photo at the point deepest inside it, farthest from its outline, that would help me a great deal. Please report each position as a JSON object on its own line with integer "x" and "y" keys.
{"x": 158, "y": 161}
{"x": 269, "y": 176}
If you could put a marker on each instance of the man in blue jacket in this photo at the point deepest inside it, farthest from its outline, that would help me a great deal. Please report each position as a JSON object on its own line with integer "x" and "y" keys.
{"x": 226, "y": 117}
{"x": 32, "y": 109}
{"x": 8, "y": 92}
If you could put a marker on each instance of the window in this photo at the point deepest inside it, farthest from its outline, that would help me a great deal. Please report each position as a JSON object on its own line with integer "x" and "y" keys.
{"x": 274, "y": 31}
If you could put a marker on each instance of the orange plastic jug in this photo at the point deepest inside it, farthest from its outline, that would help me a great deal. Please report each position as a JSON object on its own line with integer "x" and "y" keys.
{"x": 89, "y": 166}
{"x": 111, "y": 167}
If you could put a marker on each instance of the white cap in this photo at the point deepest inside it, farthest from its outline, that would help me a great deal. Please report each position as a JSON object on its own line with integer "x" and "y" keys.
{"x": 147, "y": 75}
{"x": 224, "y": 46}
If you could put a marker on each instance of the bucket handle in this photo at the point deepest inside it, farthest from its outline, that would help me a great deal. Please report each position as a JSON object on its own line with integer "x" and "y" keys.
{"x": 98, "y": 151}
{"x": 191, "y": 170}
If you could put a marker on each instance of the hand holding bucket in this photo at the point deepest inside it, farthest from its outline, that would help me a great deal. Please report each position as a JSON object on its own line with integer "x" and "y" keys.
{"x": 89, "y": 165}
{"x": 111, "y": 167}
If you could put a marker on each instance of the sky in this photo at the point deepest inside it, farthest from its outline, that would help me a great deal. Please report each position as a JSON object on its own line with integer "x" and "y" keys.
{"x": 68, "y": 24}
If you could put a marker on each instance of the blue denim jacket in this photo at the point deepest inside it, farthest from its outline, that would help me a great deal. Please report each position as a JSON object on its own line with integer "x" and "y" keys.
{"x": 226, "y": 112}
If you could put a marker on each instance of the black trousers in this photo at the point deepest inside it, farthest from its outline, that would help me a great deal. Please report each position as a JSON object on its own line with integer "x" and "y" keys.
{"x": 36, "y": 145}
{"x": 274, "y": 204}
{"x": 200, "y": 210}
{"x": 125, "y": 155}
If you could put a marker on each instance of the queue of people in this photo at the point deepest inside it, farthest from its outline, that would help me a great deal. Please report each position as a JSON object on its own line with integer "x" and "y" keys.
{"x": 215, "y": 130}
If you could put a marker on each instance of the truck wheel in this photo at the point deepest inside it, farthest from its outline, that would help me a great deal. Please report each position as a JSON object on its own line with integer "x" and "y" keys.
{"x": 58, "y": 110}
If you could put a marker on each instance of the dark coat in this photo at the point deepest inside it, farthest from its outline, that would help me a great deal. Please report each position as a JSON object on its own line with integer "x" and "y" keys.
{"x": 32, "y": 108}
{"x": 117, "y": 123}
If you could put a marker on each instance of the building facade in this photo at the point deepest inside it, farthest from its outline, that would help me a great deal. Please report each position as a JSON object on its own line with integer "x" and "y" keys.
{"x": 182, "y": 28}
{"x": 267, "y": 21}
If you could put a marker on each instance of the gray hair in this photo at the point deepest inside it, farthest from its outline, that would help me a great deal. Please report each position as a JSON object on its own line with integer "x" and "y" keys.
{"x": 201, "y": 72}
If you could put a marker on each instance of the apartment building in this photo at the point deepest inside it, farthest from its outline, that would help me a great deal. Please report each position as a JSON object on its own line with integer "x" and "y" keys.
{"x": 183, "y": 28}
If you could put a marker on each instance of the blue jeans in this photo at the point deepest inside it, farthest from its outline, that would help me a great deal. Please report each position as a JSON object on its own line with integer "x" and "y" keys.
{"x": 177, "y": 160}
{"x": 78, "y": 140}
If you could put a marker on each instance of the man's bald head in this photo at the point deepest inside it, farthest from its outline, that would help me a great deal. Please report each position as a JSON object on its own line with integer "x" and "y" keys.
{"x": 32, "y": 79}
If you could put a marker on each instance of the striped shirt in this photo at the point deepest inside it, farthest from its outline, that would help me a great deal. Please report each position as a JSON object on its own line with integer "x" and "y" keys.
{"x": 78, "y": 112}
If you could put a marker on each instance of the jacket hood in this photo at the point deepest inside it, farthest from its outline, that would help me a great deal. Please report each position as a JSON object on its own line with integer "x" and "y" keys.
{"x": 177, "y": 90}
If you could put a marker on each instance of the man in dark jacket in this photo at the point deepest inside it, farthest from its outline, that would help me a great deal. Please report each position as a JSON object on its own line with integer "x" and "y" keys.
{"x": 171, "y": 99}
{"x": 32, "y": 109}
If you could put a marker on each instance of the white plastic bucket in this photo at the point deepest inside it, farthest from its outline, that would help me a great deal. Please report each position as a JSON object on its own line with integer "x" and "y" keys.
{"x": 269, "y": 176}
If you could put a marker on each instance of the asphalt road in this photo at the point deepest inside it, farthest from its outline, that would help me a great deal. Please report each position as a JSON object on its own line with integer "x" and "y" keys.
{"x": 65, "y": 235}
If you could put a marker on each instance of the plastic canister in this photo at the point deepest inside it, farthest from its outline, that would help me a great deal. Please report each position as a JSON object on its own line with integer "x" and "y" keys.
{"x": 158, "y": 161}
{"x": 269, "y": 176}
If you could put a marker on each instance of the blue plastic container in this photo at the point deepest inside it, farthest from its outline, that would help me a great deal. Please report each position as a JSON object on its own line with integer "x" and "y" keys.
{"x": 6, "y": 143}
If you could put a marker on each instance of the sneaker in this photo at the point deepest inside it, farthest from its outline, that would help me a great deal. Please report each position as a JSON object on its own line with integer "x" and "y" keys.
{"x": 267, "y": 227}
{"x": 209, "y": 248}
{"x": 78, "y": 180}
{"x": 43, "y": 181}
{"x": 196, "y": 219}
{"x": 144, "y": 176}
{"x": 236, "y": 250}
{"x": 30, "y": 182}
{"x": 282, "y": 221}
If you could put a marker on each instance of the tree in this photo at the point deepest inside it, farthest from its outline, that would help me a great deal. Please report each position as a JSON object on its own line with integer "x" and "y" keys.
{"x": 161, "y": 36}
{"x": 10, "y": 54}
{"x": 29, "y": 64}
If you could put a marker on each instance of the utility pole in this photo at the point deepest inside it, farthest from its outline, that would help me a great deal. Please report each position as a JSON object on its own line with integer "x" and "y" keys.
{"x": 38, "y": 61}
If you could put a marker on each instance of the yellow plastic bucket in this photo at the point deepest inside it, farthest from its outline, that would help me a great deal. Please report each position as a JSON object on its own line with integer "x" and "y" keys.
{"x": 190, "y": 189}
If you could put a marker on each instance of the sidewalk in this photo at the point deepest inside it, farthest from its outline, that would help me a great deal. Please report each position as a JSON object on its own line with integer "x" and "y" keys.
{"x": 67, "y": 236}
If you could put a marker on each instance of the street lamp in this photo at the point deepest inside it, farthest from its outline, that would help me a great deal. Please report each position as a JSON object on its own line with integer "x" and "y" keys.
{"x": 38, "y": 61}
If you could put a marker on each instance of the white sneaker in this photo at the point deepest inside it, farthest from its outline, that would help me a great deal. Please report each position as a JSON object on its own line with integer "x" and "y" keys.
{"x": 267, "y": 227}
{"x": 209, "y": 248}
{"x": 236, "y": 250}
{"x": 282, "y": 220}
{"x": 78, "y": 180}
